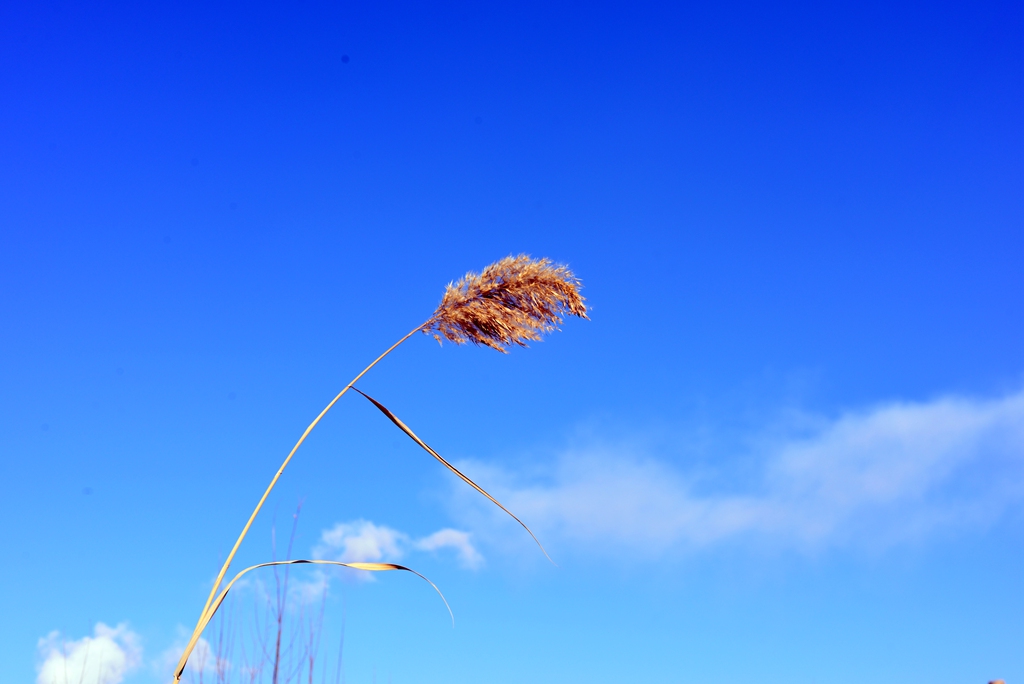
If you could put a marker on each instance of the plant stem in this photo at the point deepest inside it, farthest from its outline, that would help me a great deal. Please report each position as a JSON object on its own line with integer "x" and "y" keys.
{"x": 245, "y": 530}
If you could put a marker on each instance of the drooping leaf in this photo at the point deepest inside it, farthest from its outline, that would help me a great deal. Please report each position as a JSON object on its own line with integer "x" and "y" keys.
{"x": 412, "y": 435}
{"x": 215, "y": 605}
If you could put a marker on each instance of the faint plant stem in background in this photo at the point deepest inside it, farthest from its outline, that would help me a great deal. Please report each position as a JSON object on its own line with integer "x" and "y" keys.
{"x": 282, "y": 593}
{"x": 287, "y": 636}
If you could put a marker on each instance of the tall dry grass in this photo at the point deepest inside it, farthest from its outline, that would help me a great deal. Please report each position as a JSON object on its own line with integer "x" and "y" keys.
{"x": 511, "y": 302}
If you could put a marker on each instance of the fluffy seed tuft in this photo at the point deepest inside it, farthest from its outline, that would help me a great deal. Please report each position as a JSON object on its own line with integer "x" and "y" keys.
{"x": 513, "y": 301}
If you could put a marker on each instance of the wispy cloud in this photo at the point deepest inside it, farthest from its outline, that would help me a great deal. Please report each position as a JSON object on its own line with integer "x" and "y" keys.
{"x": 103, "y": 658}
{"x": 457, "y": 540}
{"x": 362, "y": 540}
{"x": 893, "y": 473}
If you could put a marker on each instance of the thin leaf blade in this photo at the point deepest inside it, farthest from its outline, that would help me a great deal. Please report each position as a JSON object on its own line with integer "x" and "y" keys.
{"x": 412, "y": 435}
{"x": 216, "y": 604}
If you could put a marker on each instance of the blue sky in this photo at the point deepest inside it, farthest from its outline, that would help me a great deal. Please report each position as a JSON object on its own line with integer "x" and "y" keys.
{"x": 787, "y": 447}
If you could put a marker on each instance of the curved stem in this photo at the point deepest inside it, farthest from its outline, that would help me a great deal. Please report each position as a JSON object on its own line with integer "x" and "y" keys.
{"x": 372, "y": 567}
{"x": 245, "y": 530}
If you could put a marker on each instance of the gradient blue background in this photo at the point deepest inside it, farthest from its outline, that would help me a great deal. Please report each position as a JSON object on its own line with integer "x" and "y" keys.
{"x": 211, "y": 217}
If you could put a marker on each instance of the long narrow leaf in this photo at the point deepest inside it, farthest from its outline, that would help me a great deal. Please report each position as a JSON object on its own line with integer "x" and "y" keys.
{"x": 215, "y": 605}
{"x": 405, "y": 428}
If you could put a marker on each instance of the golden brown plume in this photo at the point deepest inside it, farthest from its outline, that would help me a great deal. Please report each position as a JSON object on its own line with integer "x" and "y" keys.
{"x": 512, "y": 301}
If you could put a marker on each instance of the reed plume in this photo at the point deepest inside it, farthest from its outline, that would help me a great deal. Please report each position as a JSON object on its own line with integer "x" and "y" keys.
{"x": 511, "y": 302}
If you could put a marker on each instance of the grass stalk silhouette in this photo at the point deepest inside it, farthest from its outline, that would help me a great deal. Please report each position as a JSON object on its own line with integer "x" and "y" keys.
{"x": 513, "y": 301}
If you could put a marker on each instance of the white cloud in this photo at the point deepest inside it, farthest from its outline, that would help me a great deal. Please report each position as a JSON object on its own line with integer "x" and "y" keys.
{"x": 103, "y": 658}
{"x": 362, "y": 540}
{"x": 359, "y": 540}
{"x": 886, "y": 475}
{"x": 448, "y": 538}
{"x": 310, "y": 587}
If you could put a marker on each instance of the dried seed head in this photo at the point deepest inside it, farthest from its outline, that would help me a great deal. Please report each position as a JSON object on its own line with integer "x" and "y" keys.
{"x": 512, "y": 301}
